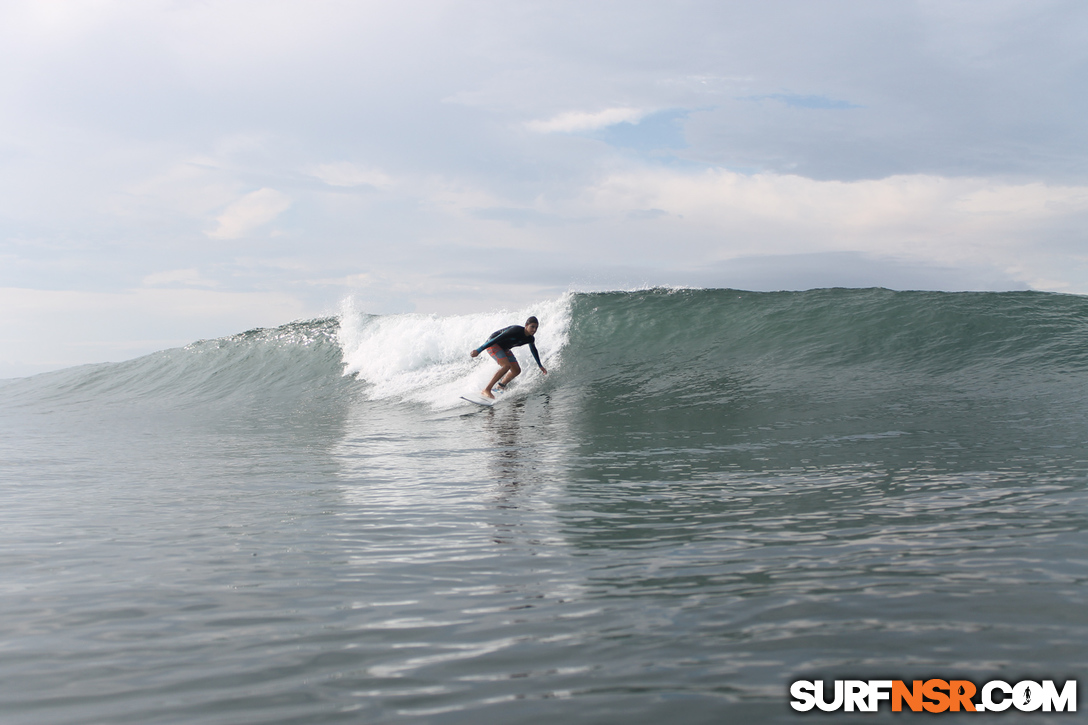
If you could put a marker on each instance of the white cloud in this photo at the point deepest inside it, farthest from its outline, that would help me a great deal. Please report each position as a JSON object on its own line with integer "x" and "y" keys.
{"x": 937, "y": 218}
{"x": 345, "y": 173}
{"x": 193, "y": 187}
{"x": 581, "y": 121}
{"x": 250, "y": 212}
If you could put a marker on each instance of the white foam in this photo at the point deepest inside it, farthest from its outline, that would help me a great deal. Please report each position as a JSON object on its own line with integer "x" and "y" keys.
{"x": 425, "y": 358}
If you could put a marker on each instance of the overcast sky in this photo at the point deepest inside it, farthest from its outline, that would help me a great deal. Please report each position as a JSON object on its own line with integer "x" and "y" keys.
{"x": 179, "y": 170}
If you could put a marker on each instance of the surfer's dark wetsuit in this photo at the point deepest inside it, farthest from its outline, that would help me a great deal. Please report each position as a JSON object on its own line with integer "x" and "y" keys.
{"x": 508, "y": 337}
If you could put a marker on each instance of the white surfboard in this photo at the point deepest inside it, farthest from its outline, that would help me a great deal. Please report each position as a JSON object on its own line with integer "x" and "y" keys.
{"x": 479, "y": 401}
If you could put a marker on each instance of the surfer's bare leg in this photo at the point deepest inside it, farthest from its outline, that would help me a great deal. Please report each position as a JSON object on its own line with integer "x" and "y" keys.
{"x": 513, "y": 372}
{"x": 503, "y": 370}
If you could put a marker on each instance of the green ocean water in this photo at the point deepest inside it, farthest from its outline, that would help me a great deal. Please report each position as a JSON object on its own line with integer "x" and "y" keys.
{"x": 712, "y": 494}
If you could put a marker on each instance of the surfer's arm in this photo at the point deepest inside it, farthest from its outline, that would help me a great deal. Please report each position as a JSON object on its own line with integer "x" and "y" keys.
{"x": 536, "y": 356}
{"x": 491, "y": 341}
{"x": 483, "y": 347}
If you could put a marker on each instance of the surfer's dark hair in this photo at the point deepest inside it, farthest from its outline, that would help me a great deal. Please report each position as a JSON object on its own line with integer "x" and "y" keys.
{"x": 532, "y": 321}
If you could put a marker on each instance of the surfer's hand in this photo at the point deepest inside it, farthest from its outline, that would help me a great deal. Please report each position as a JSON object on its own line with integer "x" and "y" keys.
{"x": 543, "y": 370}
{"x": 474, "y": 353}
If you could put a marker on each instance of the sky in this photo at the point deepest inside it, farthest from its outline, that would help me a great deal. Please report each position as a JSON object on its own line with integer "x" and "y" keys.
{"x": 181, "y": 170}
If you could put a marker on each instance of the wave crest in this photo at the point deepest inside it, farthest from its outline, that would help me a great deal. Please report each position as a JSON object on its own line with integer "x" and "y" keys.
{"x": 424, "y": 358}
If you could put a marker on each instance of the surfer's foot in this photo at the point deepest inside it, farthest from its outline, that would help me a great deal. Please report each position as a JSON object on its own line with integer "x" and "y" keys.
{"x": 501, "y": 386}
{"x": 487, "y": 394}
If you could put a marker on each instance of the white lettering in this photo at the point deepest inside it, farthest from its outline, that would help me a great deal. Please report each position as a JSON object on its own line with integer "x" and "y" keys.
{"x": 988, "y": 701}
{"x": 834, "y": 704}
{"x": 879, "y": 690}
{"x": 857, "y": 695}
{"x": 1027, "y": 696}
{"x": 804, "y": 698}
{"x": 1066, "y": 701}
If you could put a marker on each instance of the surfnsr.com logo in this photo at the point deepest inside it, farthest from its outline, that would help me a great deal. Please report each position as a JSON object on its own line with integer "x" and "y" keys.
{"x": 934, "y": 696}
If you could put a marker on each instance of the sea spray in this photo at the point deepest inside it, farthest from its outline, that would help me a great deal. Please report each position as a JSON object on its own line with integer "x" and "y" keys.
{"x": 425, "y": 358}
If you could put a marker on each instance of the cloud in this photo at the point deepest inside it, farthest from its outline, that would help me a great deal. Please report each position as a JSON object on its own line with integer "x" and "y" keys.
{"x": 794, "y": 100}
{"x": 345, "y": 173}
{"x": 506, "y": 137}
{"x": 520, "y": 217}
{"x": 250, "y": 212}
{"x": 879, "y": 212}
{"x": 1026, "y": 233}
{"x": 581, "y": 121}
{"x": 178, "y": 278}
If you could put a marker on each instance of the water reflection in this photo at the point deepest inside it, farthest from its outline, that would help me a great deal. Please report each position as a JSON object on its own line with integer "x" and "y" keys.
{"x": 503, "y": 425}
{"x": 429, "y": 487}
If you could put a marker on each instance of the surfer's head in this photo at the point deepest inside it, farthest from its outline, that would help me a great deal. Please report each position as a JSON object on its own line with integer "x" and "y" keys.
{"x": 530, "y": 325}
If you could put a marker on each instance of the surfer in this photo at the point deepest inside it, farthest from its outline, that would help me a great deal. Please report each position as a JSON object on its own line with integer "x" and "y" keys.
{"x": 498, "y": 346}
